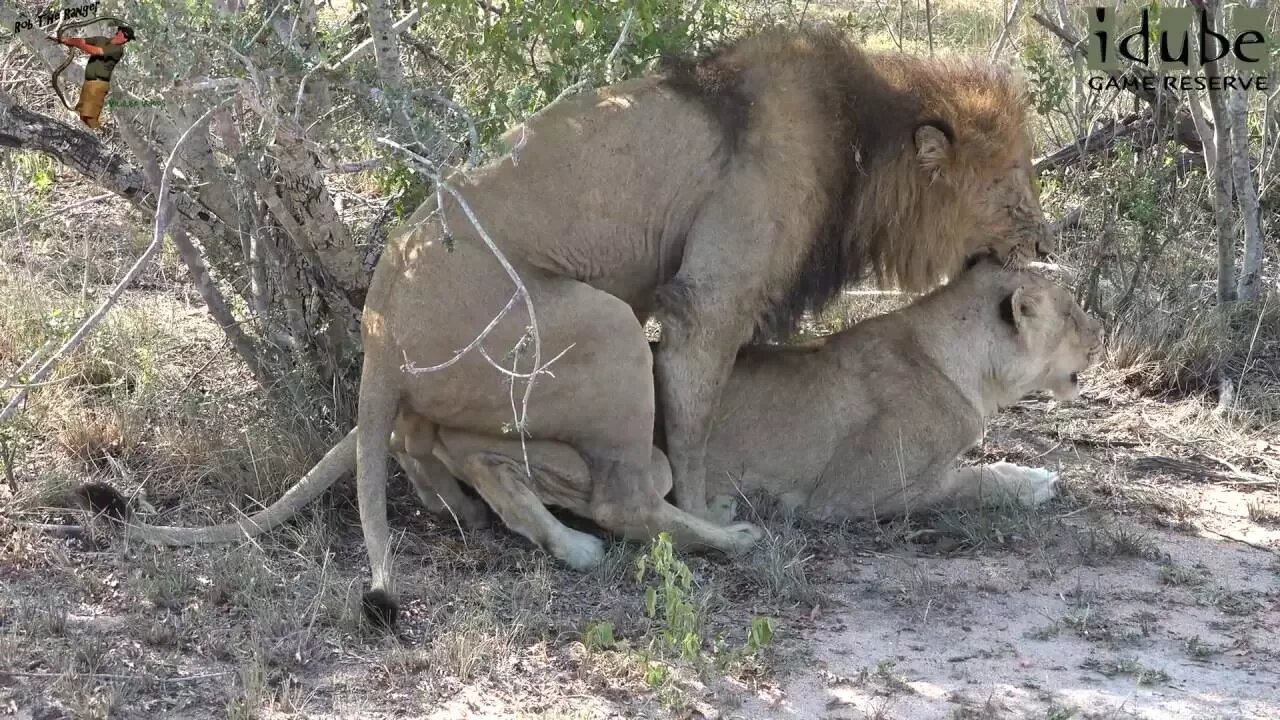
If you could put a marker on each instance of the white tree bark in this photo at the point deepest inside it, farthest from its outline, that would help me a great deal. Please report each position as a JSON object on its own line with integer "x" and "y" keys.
{"x": 1221, "y": 173}
{"x": 1246, "y": 198}
{"x": 386, "y": 51}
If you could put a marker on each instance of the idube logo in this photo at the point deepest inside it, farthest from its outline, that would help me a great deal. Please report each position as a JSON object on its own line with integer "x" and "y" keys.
{"x": 1179, "y": 41}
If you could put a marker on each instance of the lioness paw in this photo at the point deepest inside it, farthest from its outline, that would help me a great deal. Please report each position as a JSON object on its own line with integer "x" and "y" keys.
{"x": 1025, "y": 485}
{"x": 741, "y": 537}
{"x": 722, "y": 509}
{"x": 1039, "y": 485}
{"x": 578, "y": 550}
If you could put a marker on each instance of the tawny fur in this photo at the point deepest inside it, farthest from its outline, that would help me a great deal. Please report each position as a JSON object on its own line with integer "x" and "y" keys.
{"x": 819, "y": 164}
{"x": 871, "y": 424}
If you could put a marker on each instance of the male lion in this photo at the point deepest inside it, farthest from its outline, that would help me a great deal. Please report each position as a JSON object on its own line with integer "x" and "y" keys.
{"x": 729, "y": 195}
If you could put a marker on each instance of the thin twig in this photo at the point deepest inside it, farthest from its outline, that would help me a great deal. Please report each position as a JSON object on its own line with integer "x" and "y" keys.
{"x": 521, "y": 290}
{"x": 130, "y": 678}
{"x": 998, "y": 46}
{"x": 13, "y": 380}
{"x": 1242, "y": 541}
{"x": 410, "y": 368}
{"x": 164, "y": 210}
{"x": 612, "y": 57}
{"x": 59, "y": 212}
{"x": 473, "y": 153}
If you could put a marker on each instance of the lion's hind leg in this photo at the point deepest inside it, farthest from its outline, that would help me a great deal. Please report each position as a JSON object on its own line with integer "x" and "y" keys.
{"x": 646, "y": 512}
{"x": 413, "y": 442}
{"x": 501, "y": 481}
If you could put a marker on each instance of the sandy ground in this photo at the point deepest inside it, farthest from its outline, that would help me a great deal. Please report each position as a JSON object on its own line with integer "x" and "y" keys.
{"x": 1007, "y": 641}
{"x": 1138, "y": 593}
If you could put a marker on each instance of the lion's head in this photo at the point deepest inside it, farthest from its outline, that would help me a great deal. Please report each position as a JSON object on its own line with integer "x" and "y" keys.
{"x": 969, "y": 170}
{"x": 906, "y": 165}
{"x": 1051, "y": 338}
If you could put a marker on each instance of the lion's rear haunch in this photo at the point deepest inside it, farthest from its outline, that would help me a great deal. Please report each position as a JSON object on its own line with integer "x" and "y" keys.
{"x": 874, "y": 213}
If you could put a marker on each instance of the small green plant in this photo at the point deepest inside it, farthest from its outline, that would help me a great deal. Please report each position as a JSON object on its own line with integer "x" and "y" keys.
{"x": 656, "y": 674}
{"x": 1058, "y": 712}
{"x": 1172, "y": 574}
{"x": 1199, "y": 649}
{"x": 599, "y": 636}
{"x": 1050, "y": 81}
{"x": 669, "y": 601}
{"x": 404, "y": 185}
{"x": 760, "y": 634}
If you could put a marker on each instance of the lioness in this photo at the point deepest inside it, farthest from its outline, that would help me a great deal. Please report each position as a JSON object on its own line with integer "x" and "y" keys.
{"x": 871, "y": 424}
{"x": 867, "y": 422}
{"x": 729, "y": 196}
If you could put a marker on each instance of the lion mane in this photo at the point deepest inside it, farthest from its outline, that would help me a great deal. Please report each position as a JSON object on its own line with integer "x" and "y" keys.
{"x": 877, "y": 215}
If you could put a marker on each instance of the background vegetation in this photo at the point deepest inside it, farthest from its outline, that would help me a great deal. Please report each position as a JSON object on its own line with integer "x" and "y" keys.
{"x": 229, "y": 362}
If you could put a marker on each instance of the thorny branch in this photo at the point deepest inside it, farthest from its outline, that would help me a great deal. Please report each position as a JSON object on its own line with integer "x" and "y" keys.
{"x": 164, "y": 211}
{"x": 521, "y": 292}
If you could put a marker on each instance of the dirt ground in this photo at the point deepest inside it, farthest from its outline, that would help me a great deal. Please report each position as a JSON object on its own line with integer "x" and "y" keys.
{"x": 1149, "y": 589}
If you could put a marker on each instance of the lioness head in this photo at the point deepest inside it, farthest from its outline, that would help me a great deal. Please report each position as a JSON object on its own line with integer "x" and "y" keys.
{"x": 1054, "y": 339}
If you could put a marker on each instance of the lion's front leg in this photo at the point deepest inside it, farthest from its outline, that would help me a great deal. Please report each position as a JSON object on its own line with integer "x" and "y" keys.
{"x": 689, "y": 375}
{"x": 738, "y": 256}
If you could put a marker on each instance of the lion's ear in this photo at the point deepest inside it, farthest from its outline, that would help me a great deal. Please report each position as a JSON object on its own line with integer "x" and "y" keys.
{"x": 933, "y": 146}
{"x": 1020, "y": 308}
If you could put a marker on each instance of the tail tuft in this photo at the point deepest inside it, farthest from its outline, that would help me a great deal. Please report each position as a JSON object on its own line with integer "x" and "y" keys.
{"x": 102, "y": 499}
{"x": 380, "y": 609}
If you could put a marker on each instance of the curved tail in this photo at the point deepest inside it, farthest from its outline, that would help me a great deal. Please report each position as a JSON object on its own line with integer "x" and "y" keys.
{"x": 340, "y": 459}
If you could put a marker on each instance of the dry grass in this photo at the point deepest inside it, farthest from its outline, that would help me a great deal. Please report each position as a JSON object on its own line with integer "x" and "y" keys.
{"x": 156, "y": 404}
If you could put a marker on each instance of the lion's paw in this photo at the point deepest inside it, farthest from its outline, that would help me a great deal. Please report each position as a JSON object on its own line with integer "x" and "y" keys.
{"x": 578, "y": 550}
{"x": 741, "y": 537}
{"x": 1026, "y": 485}
{"x": 1039, "y": 485}
{"x": 722, "y": 509}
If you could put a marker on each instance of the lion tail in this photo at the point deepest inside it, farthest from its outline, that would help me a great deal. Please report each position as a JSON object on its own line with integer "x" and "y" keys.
{"x": 340, "y": 460}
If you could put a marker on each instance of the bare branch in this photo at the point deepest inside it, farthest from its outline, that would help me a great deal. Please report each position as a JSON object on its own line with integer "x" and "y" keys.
{"x": 1139, "y": 129}
{"x": 474, "y": 152}
{"x": 412, "y": 369}
{"x": 521, "y": 290}
{"x": 623, "y": 35}
{"x": 998, "y": 46}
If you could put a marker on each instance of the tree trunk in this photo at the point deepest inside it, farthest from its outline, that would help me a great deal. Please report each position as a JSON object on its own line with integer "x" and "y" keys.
{"x": 1246, "y": 197}
{"x": 1221, "y": 172}
{"x": 386, "y": 51}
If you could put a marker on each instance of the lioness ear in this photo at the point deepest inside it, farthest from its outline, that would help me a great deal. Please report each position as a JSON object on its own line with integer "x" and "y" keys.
{"x": 933, "y": 146}
{"x": 1020, "y": 307}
